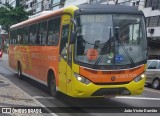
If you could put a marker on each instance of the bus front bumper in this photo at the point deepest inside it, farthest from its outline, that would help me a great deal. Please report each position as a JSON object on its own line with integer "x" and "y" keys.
{"x": 81, "y": 90}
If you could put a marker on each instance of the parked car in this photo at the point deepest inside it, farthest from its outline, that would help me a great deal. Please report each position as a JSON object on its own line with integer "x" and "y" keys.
{"x": 153, "y": 73}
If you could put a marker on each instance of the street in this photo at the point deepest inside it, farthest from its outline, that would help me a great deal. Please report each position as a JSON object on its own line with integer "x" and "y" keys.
{"x": 149, "y": 98}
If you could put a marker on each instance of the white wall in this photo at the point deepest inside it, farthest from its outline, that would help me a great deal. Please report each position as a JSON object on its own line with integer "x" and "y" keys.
{"x": 75, "y": 2}
{"x": 156, "y": 32}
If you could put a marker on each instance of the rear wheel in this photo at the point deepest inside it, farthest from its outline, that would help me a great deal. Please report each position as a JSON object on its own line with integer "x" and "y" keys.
{"x": 19, "y": 74}
{"x": 52, "y": 86}
{"x": 156, "y": 84}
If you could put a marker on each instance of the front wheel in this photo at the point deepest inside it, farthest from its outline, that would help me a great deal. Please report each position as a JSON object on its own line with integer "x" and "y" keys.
{"x": 156, "y": 84}
{"x": 52, "y": 87}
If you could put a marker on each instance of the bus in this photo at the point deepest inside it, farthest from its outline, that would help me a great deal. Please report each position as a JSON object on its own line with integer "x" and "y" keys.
{"x": 83, "y": 51}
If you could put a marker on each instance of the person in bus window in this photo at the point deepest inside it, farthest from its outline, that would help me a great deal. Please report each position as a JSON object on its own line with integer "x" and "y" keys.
{"x": 50, "y": 38}
{"x": 55, "y": 38}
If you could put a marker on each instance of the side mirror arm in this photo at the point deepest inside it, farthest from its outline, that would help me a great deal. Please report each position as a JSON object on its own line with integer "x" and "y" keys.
{"x": 73, "y": 33}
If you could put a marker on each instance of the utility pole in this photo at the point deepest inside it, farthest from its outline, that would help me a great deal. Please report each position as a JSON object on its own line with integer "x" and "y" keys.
{"x": 116, "y": 1}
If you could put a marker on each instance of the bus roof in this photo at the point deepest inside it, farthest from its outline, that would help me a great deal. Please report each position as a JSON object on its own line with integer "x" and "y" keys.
{"x": 35, "y": 19}
{"x": 104, "y": 8}
{"x": 85, "y": 8}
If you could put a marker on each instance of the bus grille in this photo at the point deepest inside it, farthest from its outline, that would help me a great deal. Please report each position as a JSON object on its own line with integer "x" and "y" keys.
{"x": 111, "y": 91}
{"x": 111, "y": 83}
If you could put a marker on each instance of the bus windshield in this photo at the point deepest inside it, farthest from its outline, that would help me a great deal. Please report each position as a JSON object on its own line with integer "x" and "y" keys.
{"x": 110, "y": 39}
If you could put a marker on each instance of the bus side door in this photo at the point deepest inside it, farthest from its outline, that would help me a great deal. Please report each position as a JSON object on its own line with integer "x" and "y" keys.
{"x": 63, "y": 59}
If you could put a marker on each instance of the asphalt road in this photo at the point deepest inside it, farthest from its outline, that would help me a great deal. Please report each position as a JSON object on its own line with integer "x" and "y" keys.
{"x": 93, "y": 107}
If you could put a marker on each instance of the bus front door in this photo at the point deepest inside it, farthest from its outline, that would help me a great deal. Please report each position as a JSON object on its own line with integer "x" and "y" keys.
{"x": 63, "y": 59}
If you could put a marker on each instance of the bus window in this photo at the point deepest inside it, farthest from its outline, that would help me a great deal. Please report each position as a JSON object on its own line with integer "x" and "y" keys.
{"x": 42, "y": 32}
{"x": 64, "y": 40}
{"x": 32, "y": 34}
{"x": 13, "y": 37}
{"x": 53, "y": 31}
{"x": 19, "y": 36}
{"x": 25, "y": 35}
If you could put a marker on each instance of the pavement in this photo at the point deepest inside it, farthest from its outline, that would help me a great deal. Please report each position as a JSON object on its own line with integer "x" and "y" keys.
{"x": 13, "y": 97}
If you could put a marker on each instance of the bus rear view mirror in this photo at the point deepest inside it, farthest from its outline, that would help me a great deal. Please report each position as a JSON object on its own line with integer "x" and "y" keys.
{"x": 72, "y": 37}
{"x": 73, "y": 21}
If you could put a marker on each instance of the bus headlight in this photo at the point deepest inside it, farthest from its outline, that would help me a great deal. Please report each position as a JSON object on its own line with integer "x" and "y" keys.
{"x": 82, "y": 79}
{"x": 140, "y": 77}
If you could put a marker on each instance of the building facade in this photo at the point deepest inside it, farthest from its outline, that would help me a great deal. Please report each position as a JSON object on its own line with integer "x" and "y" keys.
{"x": 151, "y": 9}
{"x": 37, "y": 6}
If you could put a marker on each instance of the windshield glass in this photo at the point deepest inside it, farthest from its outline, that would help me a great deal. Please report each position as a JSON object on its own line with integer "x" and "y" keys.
{"x": 110, "y": 39}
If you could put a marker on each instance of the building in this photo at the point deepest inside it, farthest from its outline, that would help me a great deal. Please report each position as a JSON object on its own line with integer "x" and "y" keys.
{"x": 76, "y": 2}
{"x": 151, "y": 9}
{"x": 37, "y": 6}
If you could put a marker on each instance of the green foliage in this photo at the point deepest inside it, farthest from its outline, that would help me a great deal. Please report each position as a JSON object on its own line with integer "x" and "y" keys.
{"x": 10, "y": 15}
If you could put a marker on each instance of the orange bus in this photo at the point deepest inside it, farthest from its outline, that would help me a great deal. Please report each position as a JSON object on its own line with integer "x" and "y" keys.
{"x": 83, "y": 51}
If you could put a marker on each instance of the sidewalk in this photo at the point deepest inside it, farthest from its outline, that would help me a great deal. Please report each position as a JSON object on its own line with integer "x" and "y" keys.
{"x": 13, "y": 96}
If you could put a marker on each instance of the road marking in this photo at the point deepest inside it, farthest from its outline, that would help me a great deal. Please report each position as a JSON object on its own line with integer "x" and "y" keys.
{"x": 143, "y": 98}
{"x": 39, "y": 97}
{"x": 152, "y": 90}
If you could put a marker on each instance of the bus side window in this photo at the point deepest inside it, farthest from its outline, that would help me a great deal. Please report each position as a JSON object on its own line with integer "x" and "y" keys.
{"x": 42, "y": 33}
{"x": 25, "y": 35}
{"x": 53, "y": 31}
{"x": 13, "y": 37}
{"x": 19, "y": 36}
{"x": 32, "y": 34}
{"x": 64, "y": 41}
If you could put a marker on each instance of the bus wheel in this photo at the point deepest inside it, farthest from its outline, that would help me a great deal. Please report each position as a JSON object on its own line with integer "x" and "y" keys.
{"x": 53, "y": 90}
{"x": 156, "y": 84}
{"x": 19, "y": 75}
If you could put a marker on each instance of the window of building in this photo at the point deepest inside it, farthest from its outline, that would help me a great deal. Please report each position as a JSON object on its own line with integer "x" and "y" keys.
{"x": 155, "y": 4}
{"x": 148, "y": 3}
{"x": 32, "y": 34}
{"x": 153, "y": 21}
{"x": 42, "y": 33}
{"x": 159, "y": 21}
{"x": 56, "y": 1}
{"x": 53, "y": 31}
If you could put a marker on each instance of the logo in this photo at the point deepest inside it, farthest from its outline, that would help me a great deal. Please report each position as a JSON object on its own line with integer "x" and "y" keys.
{"x": 6, "y": 110}
{"x": 113, "y": 78}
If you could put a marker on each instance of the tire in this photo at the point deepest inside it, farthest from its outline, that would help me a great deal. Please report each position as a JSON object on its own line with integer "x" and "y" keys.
{"x": 19, "y": 73}
{"x": 156, "y": 84}
{"x": 52, "y": 86}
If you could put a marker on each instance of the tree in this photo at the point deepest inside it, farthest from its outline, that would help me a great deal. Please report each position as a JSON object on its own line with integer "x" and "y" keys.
{"x": 10, "y": 15}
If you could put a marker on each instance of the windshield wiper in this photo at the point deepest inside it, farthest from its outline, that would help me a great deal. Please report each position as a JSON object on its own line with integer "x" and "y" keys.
{"x": 124, "y": 49}
{"x": 119, "y": 41}
{"x": 103, "y": 48}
